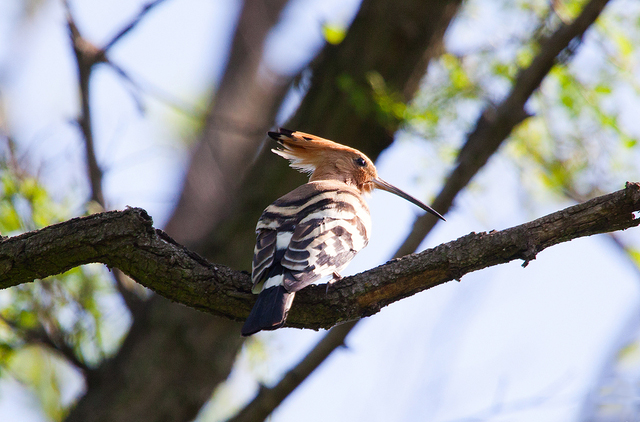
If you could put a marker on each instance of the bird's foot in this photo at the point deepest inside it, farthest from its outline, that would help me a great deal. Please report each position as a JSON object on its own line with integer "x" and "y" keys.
{"x": 336, "y": 277}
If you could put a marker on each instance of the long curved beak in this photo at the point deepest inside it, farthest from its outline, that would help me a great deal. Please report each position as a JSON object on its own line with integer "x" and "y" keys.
{"x": 381, "y": 184}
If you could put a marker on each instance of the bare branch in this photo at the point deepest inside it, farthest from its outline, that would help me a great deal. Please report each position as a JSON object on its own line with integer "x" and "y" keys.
{"x": 135, "y": 21}
{"x": 127, "y": 240}
{"x": 496, "y": 123}
{"x": 87, "y": 55}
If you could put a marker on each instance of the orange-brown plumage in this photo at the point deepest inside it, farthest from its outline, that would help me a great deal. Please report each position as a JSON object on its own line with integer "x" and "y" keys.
{"x": 326, "y": 160}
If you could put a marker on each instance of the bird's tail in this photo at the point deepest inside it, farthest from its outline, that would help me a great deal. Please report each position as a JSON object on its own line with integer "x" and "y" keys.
{"x": 270, "y": 311}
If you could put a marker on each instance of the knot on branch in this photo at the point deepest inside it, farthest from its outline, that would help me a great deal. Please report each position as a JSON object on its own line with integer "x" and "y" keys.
{"x": 529, "y": 253}
{"x": 632, "y": 190}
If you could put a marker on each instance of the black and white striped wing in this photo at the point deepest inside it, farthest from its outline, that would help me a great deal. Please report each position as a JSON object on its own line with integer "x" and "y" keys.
{"x": 263, "y": 257}
{"x": 309, "y": 233}
{"x": 321, "y": 246}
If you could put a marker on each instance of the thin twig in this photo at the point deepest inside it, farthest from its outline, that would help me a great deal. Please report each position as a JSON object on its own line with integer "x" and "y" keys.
{"x": 135, "y": 21}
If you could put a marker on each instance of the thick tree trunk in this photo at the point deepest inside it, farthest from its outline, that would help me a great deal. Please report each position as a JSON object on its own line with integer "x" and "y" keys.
{"x": 173, "y": 356}
{"x": 218, "y": 209}
{"x": 166, "y": 369}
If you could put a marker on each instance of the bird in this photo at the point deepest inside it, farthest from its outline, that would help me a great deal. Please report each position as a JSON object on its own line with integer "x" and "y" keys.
{"x": 313, "y": 231}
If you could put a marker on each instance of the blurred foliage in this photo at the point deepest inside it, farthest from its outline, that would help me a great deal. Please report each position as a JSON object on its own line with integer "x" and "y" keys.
{"x": 580, "y": 140}
{"x": 51, "y": 329}
{"x": 24, "y": 202}
{"x": 333, "y": 34}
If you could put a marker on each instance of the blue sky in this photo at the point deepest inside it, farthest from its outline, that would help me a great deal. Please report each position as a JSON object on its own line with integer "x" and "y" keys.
{"x": 530, "y": 342}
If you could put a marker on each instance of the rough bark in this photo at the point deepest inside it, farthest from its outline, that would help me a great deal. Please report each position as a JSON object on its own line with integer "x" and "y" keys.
{"x": 128, "y": 241}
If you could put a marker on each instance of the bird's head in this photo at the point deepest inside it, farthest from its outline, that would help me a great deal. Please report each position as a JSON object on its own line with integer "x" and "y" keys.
{"x": 327, "y": 160}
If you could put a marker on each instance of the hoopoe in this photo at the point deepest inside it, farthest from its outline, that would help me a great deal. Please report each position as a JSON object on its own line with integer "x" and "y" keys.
{"x": 316, "y": 229}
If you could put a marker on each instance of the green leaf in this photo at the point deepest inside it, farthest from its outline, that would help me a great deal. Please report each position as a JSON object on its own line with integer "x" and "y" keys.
{"x": 624, "y": 44}
{"x": 635, "y": 256}
{"x": 334, "y": 34}
{"x": 602, "y": 89}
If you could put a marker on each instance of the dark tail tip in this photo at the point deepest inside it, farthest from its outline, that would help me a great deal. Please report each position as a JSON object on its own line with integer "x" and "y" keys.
{"x": 269, "y": 312}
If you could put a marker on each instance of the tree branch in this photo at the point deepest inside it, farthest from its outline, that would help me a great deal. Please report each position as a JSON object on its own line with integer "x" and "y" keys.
{"x": 497, "y": 122}
{"x": 87, "y": 55}
{"x": 134, "y": 22}
{"x": 128, "y": 241}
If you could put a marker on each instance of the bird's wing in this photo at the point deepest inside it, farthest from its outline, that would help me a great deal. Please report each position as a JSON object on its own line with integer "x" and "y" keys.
{"x": 309, "y": 233}
{"x": 263, "y": 256}
{"x": 320, "y": 247}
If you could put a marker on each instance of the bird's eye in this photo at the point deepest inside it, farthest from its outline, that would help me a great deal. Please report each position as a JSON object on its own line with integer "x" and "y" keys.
{"x": 360, "y": 162}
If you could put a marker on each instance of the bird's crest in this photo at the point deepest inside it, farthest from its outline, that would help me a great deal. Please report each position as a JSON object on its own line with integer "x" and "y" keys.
{"x": 306, "y": 152}
{"x": 323, "y": 159}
